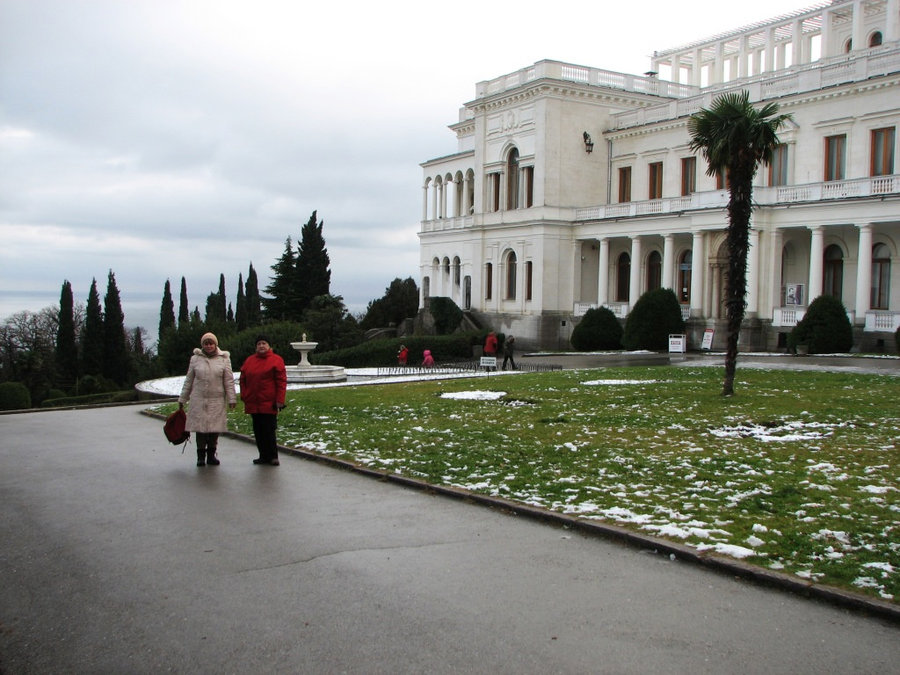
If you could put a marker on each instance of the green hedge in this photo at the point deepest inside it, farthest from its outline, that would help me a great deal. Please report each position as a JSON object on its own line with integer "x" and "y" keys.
{"x": 14, "y": 396}
{"x": 91, "y": 399}
{"x": 383, "y": 353}
{"x": 655, "y": 316}
{"x": 825, "y": 327}
{"x": 598, "y": 329}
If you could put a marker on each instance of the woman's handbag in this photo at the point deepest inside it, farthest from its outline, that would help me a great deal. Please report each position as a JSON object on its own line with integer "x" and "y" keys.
{"x": 174, "y": 428}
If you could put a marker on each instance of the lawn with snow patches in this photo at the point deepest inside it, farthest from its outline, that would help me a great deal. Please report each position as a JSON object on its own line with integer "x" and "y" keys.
{"x": 798, "y": 472}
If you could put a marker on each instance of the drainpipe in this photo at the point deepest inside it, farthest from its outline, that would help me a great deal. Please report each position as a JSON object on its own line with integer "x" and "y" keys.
{"x": 608, "y": 170}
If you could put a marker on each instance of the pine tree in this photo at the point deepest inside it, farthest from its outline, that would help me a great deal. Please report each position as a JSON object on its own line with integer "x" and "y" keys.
{"x": 92, "y": 335}
{"x": 240, "y": 312}
{"x": 66, "y": 348}
{"x": 183, "y": 315}
{"x": 251, "y": 288}
{"x": 313, "y": 275}
{"x": 282, "y": 303}
{"x": 115, "y": 341}
{"x": 167, "y": 310}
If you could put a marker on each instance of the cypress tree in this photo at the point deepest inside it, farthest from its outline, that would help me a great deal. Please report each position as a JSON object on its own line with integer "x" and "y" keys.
{"x": 92, "y": 335}
{"x": 115, "y": 341}
{"x": 254, "y": 311}
{"x": 221, "y": 308}
{"x": 282, "y": 304}
{"x": 313, "y": 277}
{"x": 240, "y": 311}
{"x": 66, "y": 348}
{"x": 183, "y": 315}
{"x": 167, "y": 310}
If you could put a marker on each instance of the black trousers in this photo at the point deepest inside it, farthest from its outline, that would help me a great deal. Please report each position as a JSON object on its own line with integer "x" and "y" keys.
{"x": 264, "y": 426}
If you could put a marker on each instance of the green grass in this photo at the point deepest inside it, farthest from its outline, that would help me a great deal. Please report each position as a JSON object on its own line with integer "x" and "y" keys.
{"x": 799, "y": 469}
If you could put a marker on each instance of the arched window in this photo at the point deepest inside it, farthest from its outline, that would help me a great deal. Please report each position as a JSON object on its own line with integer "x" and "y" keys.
{"x": 512, "y": 180}
{"x": 511, "y": 275}
{"x": 488, "y": 280}
{"x": 654, "y": 271}
{"x": 881, "y": 277}
{"x": 456, "y": 266}
{"x": 467, "y": 292}
{"x": 848, "y": 46}
{"x": 685, "y": 263}
{"x": 875, "y": 39}
{"x": 623, "y": 277}
{"x": 833, "y": 274}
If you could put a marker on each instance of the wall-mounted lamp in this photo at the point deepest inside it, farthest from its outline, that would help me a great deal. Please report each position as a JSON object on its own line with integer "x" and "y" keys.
{"x": 588, "y": 143}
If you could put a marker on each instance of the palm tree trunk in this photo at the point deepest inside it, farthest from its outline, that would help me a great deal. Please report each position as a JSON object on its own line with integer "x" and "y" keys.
{"x": 738, "y": 241}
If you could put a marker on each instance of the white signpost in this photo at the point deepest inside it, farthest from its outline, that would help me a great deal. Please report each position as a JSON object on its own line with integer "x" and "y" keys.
{"x": 677, "y": 343}
{"x": 489, "y": 362}
{"x": 707, "y": 338}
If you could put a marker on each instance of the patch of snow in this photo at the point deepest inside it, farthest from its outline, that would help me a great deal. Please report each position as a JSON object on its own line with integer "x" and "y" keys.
{"x": 475, "y": 395}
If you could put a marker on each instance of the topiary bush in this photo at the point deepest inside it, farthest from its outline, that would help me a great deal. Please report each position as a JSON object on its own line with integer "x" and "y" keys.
{"x": 446, "y": 313}
{"x": 825, "y": 327}
{"x": 655, "y": 316}
{"x": 598, "y": 329}
{"x": 14, "y": 396}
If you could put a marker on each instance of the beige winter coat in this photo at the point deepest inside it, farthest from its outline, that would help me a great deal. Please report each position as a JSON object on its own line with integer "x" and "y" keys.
{"x": 208, "y": 389}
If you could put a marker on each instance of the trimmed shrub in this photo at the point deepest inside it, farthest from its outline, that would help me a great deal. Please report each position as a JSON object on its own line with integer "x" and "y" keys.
{"x": 14, "y": 396}
{"x": 654, "y": 317}
{"x": 598, "y": 329}
{"x": 825, "y": 327}
{"x": 446, "y": 313}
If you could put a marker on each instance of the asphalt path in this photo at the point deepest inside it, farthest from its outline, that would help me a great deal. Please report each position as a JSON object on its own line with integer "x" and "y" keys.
{"x": 119, "y": 555}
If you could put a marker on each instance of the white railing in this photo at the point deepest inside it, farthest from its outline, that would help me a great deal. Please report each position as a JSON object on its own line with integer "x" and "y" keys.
{"x": 872, "y": 186}
{"x": 882, "y": 321}
{"x": 596, "y": 77}
{"x": 619, "y": 309}
{"x": 787, "y": 316}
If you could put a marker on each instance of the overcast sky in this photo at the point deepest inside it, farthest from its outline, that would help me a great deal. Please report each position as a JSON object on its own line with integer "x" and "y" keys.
{"x": 170, "y": 138}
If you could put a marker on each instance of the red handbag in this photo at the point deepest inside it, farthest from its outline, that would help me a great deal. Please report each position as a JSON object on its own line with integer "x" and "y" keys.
{"x": 174, "y": 428}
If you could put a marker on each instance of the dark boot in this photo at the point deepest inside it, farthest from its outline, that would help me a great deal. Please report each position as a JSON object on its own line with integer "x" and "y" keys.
{"x": 211, "y": 458}
{"x": 201, "y": 457}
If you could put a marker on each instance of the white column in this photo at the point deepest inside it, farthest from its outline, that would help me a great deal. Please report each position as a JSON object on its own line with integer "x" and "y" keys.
{"x": 697, "y": 68}
{"x": 434, "y": 202}
{"x": 770, "y": 49}
{"x": 864, "y": 273}
{"x": 816, "y": 251}
{"x": 744, "y": 57}
{"x": 798, "y": 53}
{"x": 777, "y": 258}
{"x": 826, "y": 48}
{"x": 668, "y": 262}
{"x": 698, "y": 265}
{"x": 892, "y": 28}
{"x": 676, "y": 68}
{"x": 425, "y": 202}
{"x": 718, "y": 69}
{"x": 753, "y": 274}
{"x": 634, "y": 282}
{"x": 859, "y": 26}
{"x": 467, "y": 189}
{"x": 603, "y": 274}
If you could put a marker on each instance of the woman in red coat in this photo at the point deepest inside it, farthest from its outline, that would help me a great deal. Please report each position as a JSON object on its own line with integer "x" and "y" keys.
{"x": 263, "y": 386}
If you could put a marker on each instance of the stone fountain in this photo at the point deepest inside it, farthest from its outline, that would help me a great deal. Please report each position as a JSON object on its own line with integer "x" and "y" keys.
{"x": 304, "y": 372}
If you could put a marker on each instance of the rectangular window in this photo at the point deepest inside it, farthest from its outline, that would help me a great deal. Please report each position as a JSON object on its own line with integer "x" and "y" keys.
{"x": 779, "y": 165}
{"x": 835, "y": 151}
{"x": 656, "y": 177}
{"x": 688, "y": 175}
{"x": 624, "y": 184}
{"x": 528, "y": 175}
{"x": 493, "y": 196}
{"x": 528, "y": 278}
{"x": 488, "y": 281}
{"x": 882, "y": 152}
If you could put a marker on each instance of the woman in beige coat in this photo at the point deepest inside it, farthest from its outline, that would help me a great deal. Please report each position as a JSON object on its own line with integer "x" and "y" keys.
{"x": 208, "y": 387}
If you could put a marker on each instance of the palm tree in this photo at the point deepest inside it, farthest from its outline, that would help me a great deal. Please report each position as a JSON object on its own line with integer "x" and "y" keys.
{"x": 735, "y": 138}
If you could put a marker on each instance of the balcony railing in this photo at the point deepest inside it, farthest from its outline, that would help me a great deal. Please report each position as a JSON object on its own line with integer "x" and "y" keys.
{"x": 873, "y": 186}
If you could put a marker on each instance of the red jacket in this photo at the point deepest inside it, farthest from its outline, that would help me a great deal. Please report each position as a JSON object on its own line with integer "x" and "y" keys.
{"x": 490, "y": 345}
{"x": 263, "y": 383}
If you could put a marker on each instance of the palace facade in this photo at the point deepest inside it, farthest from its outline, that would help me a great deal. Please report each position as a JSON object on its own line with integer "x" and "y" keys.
{"x": 574, "y": 187}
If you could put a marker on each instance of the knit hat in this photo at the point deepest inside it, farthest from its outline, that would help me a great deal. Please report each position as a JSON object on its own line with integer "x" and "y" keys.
{"x": 209, "y": 336}
{"x": 262, "y": 338}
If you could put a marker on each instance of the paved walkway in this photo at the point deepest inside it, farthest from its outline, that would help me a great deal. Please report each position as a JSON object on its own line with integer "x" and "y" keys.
{"x": 120, "y": 556}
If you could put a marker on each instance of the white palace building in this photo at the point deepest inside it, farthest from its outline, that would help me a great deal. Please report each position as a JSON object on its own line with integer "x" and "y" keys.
{"x": 574, "y": 187}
